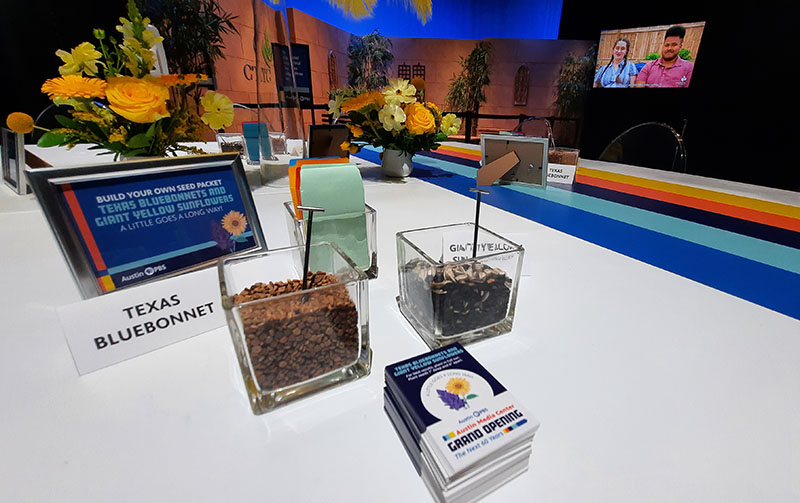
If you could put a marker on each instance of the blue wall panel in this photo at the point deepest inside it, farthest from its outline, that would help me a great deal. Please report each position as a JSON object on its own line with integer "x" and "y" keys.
{"x": 458, "y": 19}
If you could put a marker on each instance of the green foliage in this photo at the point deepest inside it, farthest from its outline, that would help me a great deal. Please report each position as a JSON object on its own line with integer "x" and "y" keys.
{"x": 132, "y": 57}
{"x": 192, "y": 31}
{"x": 121, "y": 137}
{"x": 51, "y": 139}
{"x": 652, "y": 56}
{"x": 94, "y": 122}
{"x": 370, "y": 58}
{"x": 685, "y": 54}
{"x": 574, "y": 82}
{"x": 266, "y": 48}
{"x": 466, "y": 92}
{"x": 341, "y": 95}
{"x": 367, "y": 128}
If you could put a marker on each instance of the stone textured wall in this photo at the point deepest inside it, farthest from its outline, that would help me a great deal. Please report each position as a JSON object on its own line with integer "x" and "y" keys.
{"x": 543, "y": 58}
{"x": 440, "y": 57}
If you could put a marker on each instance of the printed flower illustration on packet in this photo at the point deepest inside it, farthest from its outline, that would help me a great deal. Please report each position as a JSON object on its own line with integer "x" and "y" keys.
{"x": 229, "y": 231}
{"x": 456, "y": 393}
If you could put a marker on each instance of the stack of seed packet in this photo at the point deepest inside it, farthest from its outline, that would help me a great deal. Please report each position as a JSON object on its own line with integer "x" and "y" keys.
{"x": 465, "y": 434}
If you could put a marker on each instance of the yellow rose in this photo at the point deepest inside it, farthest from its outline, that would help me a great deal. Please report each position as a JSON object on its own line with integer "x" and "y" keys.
{"x": 137, "y": 100}
{"x": 419, "y": 120}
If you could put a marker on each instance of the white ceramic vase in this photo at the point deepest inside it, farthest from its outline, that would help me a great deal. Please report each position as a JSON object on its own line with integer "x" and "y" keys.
{"x": 396, "y": 164}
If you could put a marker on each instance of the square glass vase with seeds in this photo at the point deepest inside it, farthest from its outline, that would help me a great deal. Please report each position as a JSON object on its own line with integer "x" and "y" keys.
{"x": 461, "y": 300}
{"x": 355, "y": 233}
{"x": 292, "y": 342}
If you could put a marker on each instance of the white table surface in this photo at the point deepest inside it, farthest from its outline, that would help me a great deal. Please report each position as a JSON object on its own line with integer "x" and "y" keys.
{"x": 649, "y": 386}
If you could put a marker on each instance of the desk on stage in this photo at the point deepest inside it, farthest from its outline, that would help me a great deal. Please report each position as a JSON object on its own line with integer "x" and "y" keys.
{"x": 658, "y": 346}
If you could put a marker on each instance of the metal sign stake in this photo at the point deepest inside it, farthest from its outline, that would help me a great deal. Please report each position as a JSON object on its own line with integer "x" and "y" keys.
{"x": 479, "y": 192}
{"x": 310, "y": 210}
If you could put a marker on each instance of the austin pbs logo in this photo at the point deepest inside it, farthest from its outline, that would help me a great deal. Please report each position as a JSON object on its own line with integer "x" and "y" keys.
{"x": 152, "y": 270}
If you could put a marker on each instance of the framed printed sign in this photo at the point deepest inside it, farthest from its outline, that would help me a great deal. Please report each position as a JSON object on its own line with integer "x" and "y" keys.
{"x": 324, "y": 140}
{"x": 125, "y": 223}
{"x": 531, "y": 152}
{"x": 12, "y": 152}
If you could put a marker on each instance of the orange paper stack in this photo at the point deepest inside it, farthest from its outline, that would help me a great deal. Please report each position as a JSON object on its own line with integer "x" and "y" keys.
{"x": 294, "y": 177}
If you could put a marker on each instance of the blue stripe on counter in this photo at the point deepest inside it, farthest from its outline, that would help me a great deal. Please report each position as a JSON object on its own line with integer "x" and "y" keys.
{"x": 766, "y": 252}
{"x": 756, "y": 230}
{"x": 762, "y": 284}
{"x": 444, "y": 157}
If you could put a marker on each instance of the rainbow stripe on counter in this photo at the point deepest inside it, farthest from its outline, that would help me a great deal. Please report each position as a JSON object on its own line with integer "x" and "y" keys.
{"x": 747, "y": 247}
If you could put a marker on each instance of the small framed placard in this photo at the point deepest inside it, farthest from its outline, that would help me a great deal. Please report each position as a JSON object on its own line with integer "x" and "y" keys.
{"x": 13, "y": 155}
{"x": 325, "y": 140}
{"x": 126, "y": 223}
{"x": 532, "y": 154}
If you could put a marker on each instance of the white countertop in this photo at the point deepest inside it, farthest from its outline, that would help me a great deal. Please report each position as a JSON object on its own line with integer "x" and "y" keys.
{"x": 649, "y": 386}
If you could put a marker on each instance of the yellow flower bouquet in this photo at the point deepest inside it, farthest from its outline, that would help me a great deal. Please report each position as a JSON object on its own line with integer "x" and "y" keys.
{"x": 117, "y": 105}
{"x": 396, "y": 117}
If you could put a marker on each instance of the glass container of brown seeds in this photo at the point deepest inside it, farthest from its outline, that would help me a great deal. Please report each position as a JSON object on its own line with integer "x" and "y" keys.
{"x": 290, "y": 342}
{"x": 460, "y": 300}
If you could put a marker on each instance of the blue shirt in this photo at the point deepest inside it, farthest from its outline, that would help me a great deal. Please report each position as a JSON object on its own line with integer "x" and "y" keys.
{"x": 609, "y": 78}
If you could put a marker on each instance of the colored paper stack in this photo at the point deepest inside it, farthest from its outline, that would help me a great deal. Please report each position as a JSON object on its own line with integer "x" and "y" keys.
{"x": 464, "y": 432}
{"x": 334, "y": 184}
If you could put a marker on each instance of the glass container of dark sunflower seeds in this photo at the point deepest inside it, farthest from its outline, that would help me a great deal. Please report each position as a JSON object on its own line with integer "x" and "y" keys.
{"x": 292, "y": 342}
{"x": 450, "y": 296}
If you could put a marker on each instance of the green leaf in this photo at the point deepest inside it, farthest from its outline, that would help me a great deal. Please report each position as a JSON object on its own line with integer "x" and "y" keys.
{"x": 356, "y": 117}
{"x": 470, "y": 397}
{"x": 134, "y": 153}
{"x": 139, "y": 141}
{"x": 151, "y": 130}
{"x": 67, "y": 122}
{"x": 51, "y": 139}
{"x": 94, "y": 128}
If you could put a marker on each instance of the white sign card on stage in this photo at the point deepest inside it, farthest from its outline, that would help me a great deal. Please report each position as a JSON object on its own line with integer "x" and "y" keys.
{"x": 457, "y": 245}
{"x": 108, "y": 329}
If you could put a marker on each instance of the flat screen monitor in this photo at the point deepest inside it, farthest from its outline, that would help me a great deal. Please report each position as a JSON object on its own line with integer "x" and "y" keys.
{"x": 651, "y": 57}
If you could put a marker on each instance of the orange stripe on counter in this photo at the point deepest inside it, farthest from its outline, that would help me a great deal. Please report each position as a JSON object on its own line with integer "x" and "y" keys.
{"x": 694, "y": 202}
{"x": 463, "y": 153}
{"x": 784, "y": 210}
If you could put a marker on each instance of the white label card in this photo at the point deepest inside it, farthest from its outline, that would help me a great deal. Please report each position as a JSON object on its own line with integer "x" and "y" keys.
{"x": 560, "y": 173}
{"x": 457, "y": 245}
{"x": 105, "y": 330}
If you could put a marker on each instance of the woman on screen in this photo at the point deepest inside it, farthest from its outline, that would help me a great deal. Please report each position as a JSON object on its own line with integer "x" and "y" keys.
{"x": 618, "y": 72}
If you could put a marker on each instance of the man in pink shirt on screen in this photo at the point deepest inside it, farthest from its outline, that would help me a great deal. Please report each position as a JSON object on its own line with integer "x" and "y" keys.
{"x": 669, "y": 70}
